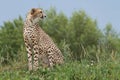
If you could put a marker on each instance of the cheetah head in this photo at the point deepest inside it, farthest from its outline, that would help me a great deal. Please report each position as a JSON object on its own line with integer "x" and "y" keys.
{"x": 35, "y": 15}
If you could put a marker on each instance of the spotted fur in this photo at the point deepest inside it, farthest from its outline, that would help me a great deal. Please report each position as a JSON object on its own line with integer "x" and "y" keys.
{"x": 39, "y": 46}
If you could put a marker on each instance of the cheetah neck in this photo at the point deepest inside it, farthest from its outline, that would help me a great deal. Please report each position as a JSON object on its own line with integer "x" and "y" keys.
{"x": 30, "y": 23}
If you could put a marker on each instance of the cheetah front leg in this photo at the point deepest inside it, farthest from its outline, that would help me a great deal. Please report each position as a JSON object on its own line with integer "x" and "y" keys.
{"x": 36, "y": 57}
{"x": 29, "y": 54}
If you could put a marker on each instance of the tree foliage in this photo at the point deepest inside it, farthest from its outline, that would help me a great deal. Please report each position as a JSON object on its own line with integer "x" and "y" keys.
{"x": 11, "y": 39}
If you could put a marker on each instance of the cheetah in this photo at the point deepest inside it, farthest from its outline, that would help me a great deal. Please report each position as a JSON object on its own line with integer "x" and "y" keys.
{"x": 41, "y": 50}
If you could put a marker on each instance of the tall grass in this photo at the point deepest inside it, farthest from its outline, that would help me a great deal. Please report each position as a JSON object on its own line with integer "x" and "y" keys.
{"x": 86, "y": 69}
{"x": 69, "y": 71}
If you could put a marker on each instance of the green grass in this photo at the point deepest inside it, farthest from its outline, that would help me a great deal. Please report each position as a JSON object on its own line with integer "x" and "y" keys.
{"x": 105, "y": 70}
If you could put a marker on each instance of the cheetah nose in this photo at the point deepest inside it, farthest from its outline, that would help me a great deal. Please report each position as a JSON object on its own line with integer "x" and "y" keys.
{"x": 44, "y": 15}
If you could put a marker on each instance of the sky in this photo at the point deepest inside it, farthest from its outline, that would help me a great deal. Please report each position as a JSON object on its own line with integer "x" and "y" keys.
{"x": 104, "y": 11}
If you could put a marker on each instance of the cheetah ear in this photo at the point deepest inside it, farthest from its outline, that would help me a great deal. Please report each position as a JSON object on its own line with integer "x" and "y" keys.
{"x": 33, "y": 11}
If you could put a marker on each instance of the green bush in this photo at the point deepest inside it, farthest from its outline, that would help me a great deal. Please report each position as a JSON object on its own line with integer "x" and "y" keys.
{"x": 78, "y": 37}
{"x": 11, "y": 39}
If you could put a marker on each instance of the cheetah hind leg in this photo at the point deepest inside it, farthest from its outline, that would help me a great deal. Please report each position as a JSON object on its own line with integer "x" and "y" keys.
{"x": 44, "y": 61}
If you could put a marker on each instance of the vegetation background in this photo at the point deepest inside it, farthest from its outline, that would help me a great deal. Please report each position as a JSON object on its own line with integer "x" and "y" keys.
{"x": 90, "y": 54}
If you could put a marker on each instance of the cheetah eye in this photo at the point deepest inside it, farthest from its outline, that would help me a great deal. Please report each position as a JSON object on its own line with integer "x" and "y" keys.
{"x": 40, "y": 11}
